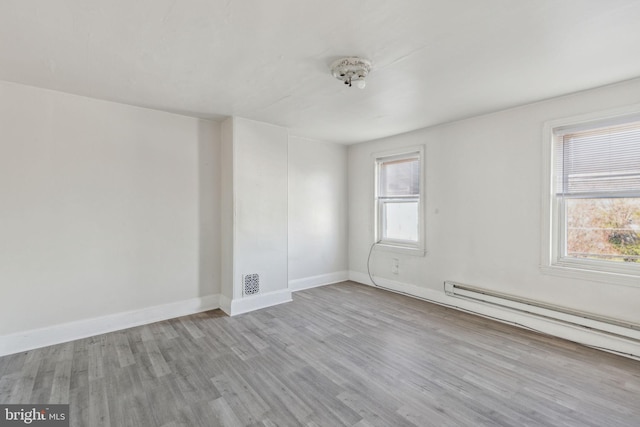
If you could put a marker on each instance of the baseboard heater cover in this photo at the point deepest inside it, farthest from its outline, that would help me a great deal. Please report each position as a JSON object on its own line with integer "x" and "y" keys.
{"x": 615, "y": 327}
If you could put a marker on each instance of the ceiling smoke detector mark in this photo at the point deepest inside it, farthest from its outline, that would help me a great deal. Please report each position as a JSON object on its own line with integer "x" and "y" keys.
{"x": 351, "y": 70}
{"x": 250, "y": 284}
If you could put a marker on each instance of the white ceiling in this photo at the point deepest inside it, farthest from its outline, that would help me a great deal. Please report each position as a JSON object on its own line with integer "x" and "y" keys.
{"x": 434, "y": 61}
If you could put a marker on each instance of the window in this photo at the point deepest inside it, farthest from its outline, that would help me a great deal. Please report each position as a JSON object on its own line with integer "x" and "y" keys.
{"x": 595, "y": 197}
{"x": 399, "y": 200}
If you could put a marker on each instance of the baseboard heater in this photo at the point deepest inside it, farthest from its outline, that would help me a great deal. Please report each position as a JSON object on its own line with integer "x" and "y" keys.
{"x": 626, "y": 330}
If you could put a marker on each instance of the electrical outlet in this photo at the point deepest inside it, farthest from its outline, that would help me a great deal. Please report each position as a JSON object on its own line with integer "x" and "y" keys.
{"x": 395, "y": 266}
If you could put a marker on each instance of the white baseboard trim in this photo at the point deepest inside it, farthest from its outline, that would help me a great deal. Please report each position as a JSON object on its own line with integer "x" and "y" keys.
{"x": 255, "y": 302}
{"x": 583, "y": 335}
{"x": 319, "y": 280}
{"x": 225, "y": 304}
{"x": 64, "y": 332}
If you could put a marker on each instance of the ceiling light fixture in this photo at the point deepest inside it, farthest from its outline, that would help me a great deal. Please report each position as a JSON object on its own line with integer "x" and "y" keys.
{"x": 351, "y": 70}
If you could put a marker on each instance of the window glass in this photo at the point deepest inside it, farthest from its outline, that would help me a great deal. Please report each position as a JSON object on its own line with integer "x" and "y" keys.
{"x": 400, "y": 221}
{"x": 605, "y": 229}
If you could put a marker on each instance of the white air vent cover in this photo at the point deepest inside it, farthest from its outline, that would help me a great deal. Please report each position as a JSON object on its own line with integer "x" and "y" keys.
{"x": 250, "y": 284}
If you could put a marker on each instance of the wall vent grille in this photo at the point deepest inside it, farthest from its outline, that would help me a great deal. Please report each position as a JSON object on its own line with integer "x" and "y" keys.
{"x": 250, "y": 284}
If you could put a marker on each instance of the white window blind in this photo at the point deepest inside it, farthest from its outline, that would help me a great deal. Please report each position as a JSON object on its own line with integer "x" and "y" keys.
{"x": 400, "y": 177}
{"x": 602, "y": 162}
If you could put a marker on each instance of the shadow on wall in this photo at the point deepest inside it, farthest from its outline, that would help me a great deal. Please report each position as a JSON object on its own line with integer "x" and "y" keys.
{"x": 208, "y": 207}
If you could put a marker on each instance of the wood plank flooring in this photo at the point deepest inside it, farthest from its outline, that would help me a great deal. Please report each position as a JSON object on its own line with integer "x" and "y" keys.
{"x": 340, "y": 355}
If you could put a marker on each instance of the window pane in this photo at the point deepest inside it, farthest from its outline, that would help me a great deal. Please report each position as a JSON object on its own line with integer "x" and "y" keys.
{"x": 400, "y": 221}
{"x": 400, "y": 178}
{"x": 606, "y": 229}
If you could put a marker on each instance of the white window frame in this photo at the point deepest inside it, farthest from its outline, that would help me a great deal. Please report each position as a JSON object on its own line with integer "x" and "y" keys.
{"x": 398, "y": 246}
{"x": 553, "y": 210}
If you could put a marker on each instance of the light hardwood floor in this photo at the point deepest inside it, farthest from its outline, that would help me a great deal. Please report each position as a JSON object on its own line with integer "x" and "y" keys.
{"x": 345, "y": 354}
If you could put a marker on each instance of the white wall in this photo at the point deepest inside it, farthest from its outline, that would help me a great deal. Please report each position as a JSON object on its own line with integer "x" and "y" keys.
{"x": 104, "y": 208}
{"x": 317, "y": 212}
{"x": 483, "y": 214}
{"x": 254, "y": 213}
{"x": 260, "y": 185}
{"x": 209, "y": 201}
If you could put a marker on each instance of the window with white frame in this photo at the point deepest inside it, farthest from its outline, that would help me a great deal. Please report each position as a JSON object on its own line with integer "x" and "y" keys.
{"x": 399, "y": 200}
{"x": 595, "y": 196}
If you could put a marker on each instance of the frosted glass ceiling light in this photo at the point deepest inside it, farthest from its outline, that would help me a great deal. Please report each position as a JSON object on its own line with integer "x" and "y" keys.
{"x": 351, "y": 70}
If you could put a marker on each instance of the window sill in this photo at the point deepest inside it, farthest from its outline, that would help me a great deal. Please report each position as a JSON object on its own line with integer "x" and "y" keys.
{"x": 591, "y": 273}
{"x": 385, "y": 247}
